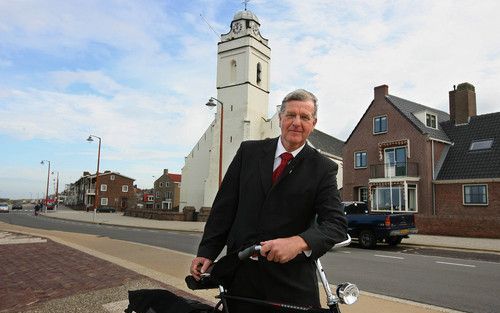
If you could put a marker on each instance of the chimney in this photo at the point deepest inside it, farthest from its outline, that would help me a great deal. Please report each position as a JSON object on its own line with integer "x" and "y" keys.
{"x": 462, "y": 103}
{"x": 381, "y": 92}
{"x": 165, "y": 171}
{"x": 86, "y": 173}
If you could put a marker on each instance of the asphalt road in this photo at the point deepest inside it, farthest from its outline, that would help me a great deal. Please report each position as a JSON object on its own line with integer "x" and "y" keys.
{"x": 465, "y": 281}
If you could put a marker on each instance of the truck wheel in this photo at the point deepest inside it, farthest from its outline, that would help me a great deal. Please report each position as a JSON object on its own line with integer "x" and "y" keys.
{"x": 367, "y": 239}
{"x": 394, "y": 241}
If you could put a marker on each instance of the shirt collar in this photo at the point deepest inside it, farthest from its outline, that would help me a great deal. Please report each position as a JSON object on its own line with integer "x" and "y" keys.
{"x": 281, "y": 149}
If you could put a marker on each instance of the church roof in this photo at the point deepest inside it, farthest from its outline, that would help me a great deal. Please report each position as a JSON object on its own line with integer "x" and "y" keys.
{"x": 245, "y": 15}
{"x": 326, "y": 143}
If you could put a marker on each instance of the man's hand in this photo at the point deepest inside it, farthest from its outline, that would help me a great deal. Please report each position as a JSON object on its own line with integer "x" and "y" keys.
{"x": 199, "y": 265}
{"x": 283, "y": 250}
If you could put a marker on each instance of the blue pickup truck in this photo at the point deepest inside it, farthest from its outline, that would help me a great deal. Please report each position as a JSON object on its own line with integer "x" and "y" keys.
{"x": 370, "y": 228}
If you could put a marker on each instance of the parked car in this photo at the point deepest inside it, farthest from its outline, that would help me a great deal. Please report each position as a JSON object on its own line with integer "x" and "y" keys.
{"x": 51, "y": 206}
{"x": 17, "y": 206}
{"x": 105, "y": 209}
{"x": 4, "y": 207}
{"x": 370, "y": 228}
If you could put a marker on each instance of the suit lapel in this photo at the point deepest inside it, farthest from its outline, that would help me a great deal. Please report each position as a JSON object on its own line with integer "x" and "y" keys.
{"x": 266, "y": 163}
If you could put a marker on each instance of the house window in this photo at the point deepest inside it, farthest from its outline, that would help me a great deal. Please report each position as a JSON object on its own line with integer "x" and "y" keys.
{"x": 380, "y": 124}
{"x": 161, "y": 184}
{"x": 475, "y": 194}
{"x": 360, "y": 159}
{"x": 151, "y": 198}
{"x": 430, "y": 120}
{"x": 124, "y": 188}
{"x": 104, "y": 187}
{"x": 388, "y": 199}
{"x": 395, "y": 161}
{"x": 104, "y": 201}
{"x": 481, "y": 144}
{"x": 167, "y": 184}
{"x": 112, "y": 177}
{"x": 168, "y": 195}
{"x": 363, "y": 194}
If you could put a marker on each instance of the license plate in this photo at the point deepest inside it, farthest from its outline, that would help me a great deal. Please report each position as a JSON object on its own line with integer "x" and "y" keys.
{"x": 405, "y": 231}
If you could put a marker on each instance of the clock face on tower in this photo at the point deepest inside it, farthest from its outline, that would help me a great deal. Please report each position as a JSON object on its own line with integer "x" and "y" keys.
{"x": 255, "y": 29}
{"x": 237, "y": 27}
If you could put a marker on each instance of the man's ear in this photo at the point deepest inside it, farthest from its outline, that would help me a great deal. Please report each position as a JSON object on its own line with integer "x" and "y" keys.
{"x": 315, "y": 121}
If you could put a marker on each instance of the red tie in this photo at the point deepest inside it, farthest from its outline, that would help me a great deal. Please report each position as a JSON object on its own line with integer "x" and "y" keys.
{"x": 285, "y": 157}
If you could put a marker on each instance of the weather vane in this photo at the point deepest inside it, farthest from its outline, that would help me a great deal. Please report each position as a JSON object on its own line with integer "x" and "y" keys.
{"x": 245, "y": 2}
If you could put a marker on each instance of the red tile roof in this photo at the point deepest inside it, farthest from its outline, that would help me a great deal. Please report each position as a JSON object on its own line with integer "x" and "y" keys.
{"x": 175, "y": 177}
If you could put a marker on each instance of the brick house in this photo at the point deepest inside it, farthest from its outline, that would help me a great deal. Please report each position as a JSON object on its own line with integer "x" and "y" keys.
{"x": 167, "y": 191}
{"x": 114, "y": 190}
{"x": 406, "y": 157}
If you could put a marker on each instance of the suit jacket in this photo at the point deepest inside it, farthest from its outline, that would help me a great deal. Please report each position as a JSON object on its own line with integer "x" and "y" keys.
{"x": 248, "y": 208}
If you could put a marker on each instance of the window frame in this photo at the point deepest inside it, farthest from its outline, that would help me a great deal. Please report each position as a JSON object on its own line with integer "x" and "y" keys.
{"x": 386, "y": 124}
{"x": 430, "y": 115}
{"x": 102, "y": 201}
{"x": 360, "y": 194}
{"x": 474, "y": 203}
{"x": 124, "y": 188}
{"x": 103, "y": 187}
{"x": 480, "y": 141}
{"x": 356, "y": 166}
{"x": 112, "y": 177}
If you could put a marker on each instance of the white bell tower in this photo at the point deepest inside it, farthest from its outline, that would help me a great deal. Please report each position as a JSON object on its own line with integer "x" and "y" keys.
{"x": 243, "y": 61}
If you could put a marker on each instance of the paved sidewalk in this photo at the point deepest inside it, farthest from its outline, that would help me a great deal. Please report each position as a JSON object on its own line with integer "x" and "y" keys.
{"x": 480, "y": 244}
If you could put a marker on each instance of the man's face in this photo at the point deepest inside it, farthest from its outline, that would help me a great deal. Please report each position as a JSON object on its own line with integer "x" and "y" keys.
{"x": 296, "y": 123}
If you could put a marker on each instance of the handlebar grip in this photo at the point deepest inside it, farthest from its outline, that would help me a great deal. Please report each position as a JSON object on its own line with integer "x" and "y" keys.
{"x": 248, "y": 252}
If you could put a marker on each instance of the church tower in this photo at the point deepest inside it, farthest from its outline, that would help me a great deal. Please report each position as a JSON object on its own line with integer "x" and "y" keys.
{"x": 243, "y": 61}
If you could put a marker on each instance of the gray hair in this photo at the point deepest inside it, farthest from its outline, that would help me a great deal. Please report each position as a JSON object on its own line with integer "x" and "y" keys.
{"x": 300, "y": 95}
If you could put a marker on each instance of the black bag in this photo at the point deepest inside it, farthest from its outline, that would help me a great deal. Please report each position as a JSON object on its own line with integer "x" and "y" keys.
{"x": 163, "y": 301}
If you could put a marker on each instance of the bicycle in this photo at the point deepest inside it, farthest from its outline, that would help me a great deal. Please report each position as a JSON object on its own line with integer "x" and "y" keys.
{"x": 346, "y": 293}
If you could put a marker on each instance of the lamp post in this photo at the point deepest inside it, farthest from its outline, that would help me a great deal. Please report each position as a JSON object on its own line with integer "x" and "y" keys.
{"x": 48, "y": 178}
{"x": 97, "y": 172}
{"x": 57, "y": 191}
{"x": 211, "y": 103}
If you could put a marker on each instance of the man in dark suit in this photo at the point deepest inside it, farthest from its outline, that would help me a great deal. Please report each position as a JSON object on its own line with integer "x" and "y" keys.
{"x": 283, "y": 194}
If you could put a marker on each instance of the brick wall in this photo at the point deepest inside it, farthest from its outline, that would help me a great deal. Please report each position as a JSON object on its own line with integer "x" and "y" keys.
{"x": 461, "y": 226}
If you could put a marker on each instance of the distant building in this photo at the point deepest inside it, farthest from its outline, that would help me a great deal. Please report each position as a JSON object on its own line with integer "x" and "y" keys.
{"x": 166, "y": 191}
{"x": 114, "y": 190}
{"x": 406, "y": 157}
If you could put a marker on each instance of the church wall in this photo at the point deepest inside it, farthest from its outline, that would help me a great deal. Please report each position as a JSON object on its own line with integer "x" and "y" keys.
{"x": 195, "y": 170}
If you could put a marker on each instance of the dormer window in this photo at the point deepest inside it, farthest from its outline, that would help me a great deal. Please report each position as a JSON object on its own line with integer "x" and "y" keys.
{"x": 481, "y": 144}
{"x": 431, "y": 120}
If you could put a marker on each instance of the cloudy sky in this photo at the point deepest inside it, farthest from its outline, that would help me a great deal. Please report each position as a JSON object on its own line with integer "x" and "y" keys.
{"x": 137, "y": 73}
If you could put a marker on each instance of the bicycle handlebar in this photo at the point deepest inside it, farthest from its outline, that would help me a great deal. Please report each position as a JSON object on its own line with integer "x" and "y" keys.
{"x": 248, "y": 252}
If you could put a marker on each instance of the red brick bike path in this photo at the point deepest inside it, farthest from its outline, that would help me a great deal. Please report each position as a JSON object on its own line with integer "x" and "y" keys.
{"x": 32, "y": 273}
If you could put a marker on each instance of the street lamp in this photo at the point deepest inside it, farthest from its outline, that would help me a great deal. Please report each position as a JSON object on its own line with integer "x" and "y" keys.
{"x": 211, "y": 103}
{"x": 48, "y": 178}
{"x": 57, "y": 190}
{"x": 97, "y": 172}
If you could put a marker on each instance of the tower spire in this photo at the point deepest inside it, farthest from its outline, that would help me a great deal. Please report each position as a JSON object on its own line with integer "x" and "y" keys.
{"x": 245, "y": 2}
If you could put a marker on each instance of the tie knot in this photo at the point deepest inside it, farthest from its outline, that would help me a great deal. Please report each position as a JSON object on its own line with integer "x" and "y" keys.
{"x": 286, "y": 156}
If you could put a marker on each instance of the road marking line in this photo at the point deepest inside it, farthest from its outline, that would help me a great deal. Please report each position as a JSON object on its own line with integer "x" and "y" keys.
{"x": 457, "y": 264}
{"x": 346, "y": 252}
{"x": 389, "y": 256}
